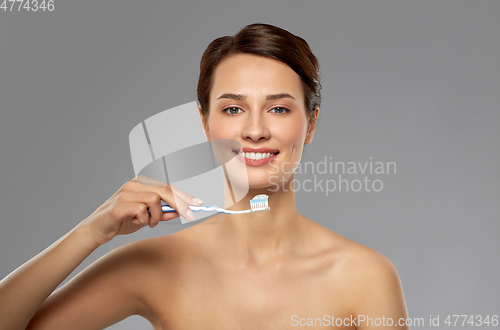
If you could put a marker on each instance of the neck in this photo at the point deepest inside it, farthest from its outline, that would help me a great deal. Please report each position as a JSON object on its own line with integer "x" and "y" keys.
{"x": 264, "y": 234}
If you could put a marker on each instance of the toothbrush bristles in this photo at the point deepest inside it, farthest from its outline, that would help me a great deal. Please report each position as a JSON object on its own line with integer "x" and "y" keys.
{"x": 259, "y": 202}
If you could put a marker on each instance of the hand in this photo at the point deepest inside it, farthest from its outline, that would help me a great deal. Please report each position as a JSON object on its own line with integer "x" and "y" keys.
{"x": 127, "y": 210}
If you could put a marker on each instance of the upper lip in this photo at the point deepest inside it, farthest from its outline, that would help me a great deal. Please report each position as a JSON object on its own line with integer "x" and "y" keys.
{"x": 258, "y": 150}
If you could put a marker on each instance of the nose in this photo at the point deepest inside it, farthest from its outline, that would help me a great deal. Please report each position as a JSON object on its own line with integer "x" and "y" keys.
{"x": 255, "y": 127}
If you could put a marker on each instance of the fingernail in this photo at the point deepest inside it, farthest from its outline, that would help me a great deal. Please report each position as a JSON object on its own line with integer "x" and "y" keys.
{"x": 190, "y": 215}
{"x": 197, "y": 201}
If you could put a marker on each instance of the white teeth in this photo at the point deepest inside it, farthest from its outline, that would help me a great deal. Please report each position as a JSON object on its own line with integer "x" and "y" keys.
{"x": 256, "y": 156}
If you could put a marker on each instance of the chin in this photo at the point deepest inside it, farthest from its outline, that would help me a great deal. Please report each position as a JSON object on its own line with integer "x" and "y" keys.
{"x": 268, "y": 182}
{"x": 262, "y": 186}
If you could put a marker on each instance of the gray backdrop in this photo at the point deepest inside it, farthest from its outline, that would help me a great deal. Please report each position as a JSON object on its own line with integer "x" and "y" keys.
{"x": 411, "y": 82}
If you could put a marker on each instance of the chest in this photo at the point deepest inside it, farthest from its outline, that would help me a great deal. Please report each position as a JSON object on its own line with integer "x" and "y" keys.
{"x": 208, "y": 298}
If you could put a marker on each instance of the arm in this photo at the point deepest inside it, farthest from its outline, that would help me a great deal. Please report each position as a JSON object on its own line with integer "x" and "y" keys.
{"x": 105, "y": 293}
{"x": 24, "y": 294}
{"x": 19, "y": 300}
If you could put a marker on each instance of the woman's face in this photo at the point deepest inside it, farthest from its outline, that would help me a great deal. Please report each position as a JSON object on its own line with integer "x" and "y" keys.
{"x": 259, "y": 102}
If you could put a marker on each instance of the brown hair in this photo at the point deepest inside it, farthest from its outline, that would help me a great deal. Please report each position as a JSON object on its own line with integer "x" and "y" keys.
{"x": 268, "y": 41}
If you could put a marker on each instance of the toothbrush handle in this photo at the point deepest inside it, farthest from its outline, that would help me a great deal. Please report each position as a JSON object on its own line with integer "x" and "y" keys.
{"x": 167, "y": 208}
{"x": 213, "y": 208}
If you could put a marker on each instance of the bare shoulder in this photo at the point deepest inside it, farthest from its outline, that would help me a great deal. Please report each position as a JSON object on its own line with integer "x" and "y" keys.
{"x": 113, "y": 271}
{"x": 366, "y": 277}
{"x": 114, "y": 283}
{"x": 355, "y": 260}
{"x": 164, "y": 254}
{"x": 149, "y": 255}
{"x": 370, "y": 282}
{"x": 363, "y": 264}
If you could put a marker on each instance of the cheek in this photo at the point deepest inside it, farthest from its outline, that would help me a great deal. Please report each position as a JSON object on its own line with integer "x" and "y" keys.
{"x": 294, "y": 134}
{"x": 220, "y": 128}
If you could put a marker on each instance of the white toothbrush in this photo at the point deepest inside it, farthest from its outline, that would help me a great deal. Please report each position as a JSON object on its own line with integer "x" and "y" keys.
{"x": 258, "y": 203}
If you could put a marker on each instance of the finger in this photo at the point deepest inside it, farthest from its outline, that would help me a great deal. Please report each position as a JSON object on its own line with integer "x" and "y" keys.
{"x": 146, "y": 184}
{"x": 169, "y": 216}
{"x": 152, "y": 201}
{"x": 182, "y": 207}
{"x": 167, "y": 194}
{"x": 124, "y": 211}
{"x": 191, "y": 200}
{"x": 142, "y": 214}
{"x": 182, "y": 202}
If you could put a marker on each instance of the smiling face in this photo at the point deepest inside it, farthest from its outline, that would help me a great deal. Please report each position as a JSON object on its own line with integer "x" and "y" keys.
{"x": 259, "y": 102}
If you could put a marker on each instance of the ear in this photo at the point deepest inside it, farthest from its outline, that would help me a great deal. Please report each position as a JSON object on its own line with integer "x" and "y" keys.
{"x": 204, "y": 124}
{"x": 311, "y": 126}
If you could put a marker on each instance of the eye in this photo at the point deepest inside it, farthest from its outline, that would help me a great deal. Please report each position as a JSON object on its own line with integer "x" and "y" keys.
{"x": 280, "y": 110}
{"x": 232, "y": 110}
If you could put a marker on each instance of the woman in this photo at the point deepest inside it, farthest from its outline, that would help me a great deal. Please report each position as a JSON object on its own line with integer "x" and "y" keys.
{"x": 264, "y": 270}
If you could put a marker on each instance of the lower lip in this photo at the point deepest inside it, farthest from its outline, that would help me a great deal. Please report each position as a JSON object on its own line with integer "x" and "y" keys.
{"x": 255, "y": 162}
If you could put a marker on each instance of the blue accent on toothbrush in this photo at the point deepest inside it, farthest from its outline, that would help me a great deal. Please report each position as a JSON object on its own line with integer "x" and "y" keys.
{"x": 258, "y": 203}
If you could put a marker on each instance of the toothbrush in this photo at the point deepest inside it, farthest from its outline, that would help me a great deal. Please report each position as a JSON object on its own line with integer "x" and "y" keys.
{"x": 258, "y": 203}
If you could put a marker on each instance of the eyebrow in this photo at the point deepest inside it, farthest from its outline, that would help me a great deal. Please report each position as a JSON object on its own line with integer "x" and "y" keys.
{"x": 241, "y": 97}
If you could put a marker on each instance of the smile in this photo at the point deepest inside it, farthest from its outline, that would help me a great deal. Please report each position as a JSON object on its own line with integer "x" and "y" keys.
{"x": 256, "y": 155}
{"x": 253, "y": 158}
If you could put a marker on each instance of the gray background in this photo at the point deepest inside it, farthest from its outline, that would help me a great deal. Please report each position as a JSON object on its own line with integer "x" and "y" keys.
{"x": 414, "y": 82}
